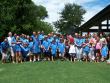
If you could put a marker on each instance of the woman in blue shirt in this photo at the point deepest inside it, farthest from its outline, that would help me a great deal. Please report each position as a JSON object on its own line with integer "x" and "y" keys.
{"x": 36, "y": 48}
{"x": 18, "y": 50}
{"x": 104, "y": 51}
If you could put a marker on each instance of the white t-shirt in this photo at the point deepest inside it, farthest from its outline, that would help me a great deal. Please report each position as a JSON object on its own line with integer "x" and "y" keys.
{"x": 9, "y": 40}
{"x": 72, "y": 49}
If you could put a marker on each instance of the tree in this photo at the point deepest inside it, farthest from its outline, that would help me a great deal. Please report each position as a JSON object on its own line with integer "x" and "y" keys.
{"x": 71, "y": 18}
{"x": 21, "y": 16}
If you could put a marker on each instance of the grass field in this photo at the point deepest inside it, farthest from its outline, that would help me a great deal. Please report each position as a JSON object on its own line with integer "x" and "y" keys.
{"x": 55, "y": 72}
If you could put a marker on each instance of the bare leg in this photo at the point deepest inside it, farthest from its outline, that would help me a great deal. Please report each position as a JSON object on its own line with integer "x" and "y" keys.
{"x": 17, "y": 57}
{"x": 30, "y": 58}
{"x": 52, "y": 58}
{"x": 20, "y": 57}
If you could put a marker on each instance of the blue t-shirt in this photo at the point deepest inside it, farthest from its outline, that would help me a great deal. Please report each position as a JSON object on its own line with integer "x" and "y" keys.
{"x": 83, "y": 40}
{"x": 86, "y": 49}
{"x": 4, "y": 46}
{"x": 36, "y": 46}
{"x": 46, "y": 44}
{"x": 61, "y": 47}
{"x": 40, "y": 36}
{"x": 57, "y": 40}
{"x": 78, "y": 42}
{"x": 53, "y": 48}
{"x": 30, "y": 46}
{"x": 26, "y": 41}
{"x": 49, "y": 40}
{"x": 104, "y": 51}
{"x": 18, "y": 47}
{"x": 13, "y": 40}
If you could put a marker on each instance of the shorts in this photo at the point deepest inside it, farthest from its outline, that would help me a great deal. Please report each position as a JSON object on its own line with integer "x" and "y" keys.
{"x": 46, "y": 53}
{"x": 61, "y": 54}
{"x": 12, "y": 51}
{"x": 30, "y": 54}
{"x": 86, "y": 53}
{"x": 37, "y": 53}
{"x": 53, "y": 55}
{"x": 97, "y": 51}
{"x": 4, "y": 55}
{"x": 72, "y": 54}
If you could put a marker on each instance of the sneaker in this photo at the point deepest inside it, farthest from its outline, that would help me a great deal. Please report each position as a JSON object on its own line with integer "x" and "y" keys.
{"x": 34, "y": 60}
{"x": 30, "y": 60}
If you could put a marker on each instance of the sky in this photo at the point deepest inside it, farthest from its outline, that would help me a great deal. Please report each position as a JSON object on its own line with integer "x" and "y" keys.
{"x": 53, "y": 7}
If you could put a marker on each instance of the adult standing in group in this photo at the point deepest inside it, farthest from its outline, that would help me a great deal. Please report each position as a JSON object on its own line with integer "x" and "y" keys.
{"x": 10, "y": 39}
{"x": 108, "y": 44}
{"x": 78, "y": 43}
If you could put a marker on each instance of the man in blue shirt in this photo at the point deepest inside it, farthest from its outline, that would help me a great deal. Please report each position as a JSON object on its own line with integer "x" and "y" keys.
{"x": 79, "y": 43}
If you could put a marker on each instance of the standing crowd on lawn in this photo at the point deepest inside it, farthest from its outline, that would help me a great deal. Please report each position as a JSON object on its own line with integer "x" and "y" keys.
{"x": 18, "y": 48}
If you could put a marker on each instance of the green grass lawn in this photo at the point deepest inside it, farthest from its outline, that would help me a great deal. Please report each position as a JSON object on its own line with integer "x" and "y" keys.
{"x": 55, "y": 72}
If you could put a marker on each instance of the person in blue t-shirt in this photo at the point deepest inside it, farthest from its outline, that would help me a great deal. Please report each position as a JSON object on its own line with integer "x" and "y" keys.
{"x": 13, "y": 41}
{"x": 41, "y": 36}
{"x": 86, "y": 50}
{"x": 4, "y": 49}
{"x": 61, "y": 49}
{"x": 18, "y": 50}
{"x": 53, "y": 47}
{"x": 78, "y": 44}
{"x": 104, "y": 51}
{"x": 45, "y": 47}
{"x": 49, "y": 39}
{"x": 36, "y": 48}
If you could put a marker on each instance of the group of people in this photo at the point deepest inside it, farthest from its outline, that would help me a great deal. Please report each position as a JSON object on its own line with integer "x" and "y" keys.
{"x": 38, "y": 47}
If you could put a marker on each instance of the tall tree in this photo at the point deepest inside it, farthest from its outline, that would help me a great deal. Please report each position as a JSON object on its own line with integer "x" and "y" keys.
{"x": 21, "y": 16}
{"x": 71, "y": 18}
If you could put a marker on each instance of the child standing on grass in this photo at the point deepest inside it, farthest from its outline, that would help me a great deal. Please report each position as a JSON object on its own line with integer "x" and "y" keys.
{"x": 36, "y": 48}
{"x": 104, "y": 51}
{"x": 98, "y": 47}
{"x": 61, "y": 49}
{"x": 18, "y": 50}
{"x": 30, "y": 46}
{"x": 79, "y": 44}
{"x": 46, "y": 46}
{"x": 72, "y": 52}
{"x": 86, "y": 50}
{"x": 53, "y": 47}
{"x": 4, "y": 48}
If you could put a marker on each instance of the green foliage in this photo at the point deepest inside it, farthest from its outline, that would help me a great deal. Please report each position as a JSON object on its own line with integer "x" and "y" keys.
{"x": 22, "y": 16}
{"x": 71, "y": 18}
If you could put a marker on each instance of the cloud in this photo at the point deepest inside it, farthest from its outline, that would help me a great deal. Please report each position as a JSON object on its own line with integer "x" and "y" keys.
{"x": 55, "y": 6}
